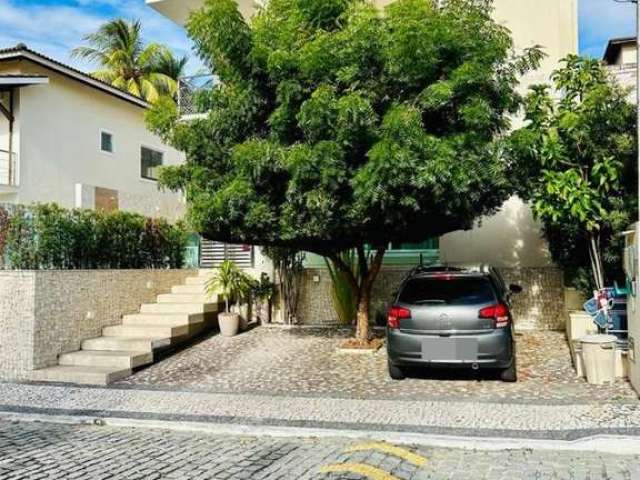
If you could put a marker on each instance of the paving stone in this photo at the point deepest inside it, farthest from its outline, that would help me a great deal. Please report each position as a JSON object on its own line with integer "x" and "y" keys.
{"x": 274, "y": 361}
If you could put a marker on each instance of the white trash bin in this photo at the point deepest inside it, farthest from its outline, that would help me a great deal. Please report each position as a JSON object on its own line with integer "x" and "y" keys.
{"x": 599, "y": 357}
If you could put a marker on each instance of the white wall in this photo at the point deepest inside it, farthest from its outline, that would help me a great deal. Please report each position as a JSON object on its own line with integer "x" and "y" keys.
{"x": 627, "y": 55}
{"x": 59, "y": 131}
{"x": 509, "y": 239}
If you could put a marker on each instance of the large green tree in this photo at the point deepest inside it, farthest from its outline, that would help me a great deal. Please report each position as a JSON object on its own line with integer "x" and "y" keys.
{"x": 336, "y": 126}
{"x": 147, "y": 71}
{"x": 575, "y": 159}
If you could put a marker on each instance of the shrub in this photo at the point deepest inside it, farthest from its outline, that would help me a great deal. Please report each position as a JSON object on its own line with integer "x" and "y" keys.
{"x": 46, "y": 236}
{"x": 4, "y": 227}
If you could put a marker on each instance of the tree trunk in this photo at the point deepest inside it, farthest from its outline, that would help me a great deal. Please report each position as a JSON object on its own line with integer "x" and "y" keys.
{"x": 362, "y": 286}
{"x": 364, "y": 295}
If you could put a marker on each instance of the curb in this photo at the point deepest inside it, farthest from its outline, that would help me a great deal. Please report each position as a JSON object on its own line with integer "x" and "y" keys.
{"x": 602, "y": 443}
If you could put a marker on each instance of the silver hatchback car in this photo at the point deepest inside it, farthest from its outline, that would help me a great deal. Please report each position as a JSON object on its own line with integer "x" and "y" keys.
{"x": 454, "y": 316}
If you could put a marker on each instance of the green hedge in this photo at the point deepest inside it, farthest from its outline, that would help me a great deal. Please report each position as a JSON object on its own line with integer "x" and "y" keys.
{"x": 47, "y": 236}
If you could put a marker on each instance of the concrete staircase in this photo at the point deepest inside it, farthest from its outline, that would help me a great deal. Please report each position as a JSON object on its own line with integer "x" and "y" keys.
{"x": 173, "y": 319}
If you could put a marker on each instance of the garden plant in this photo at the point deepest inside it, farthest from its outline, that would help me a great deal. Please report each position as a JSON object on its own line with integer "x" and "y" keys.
{"x": 47, "y": 236}
{"x": 575, "y": 161}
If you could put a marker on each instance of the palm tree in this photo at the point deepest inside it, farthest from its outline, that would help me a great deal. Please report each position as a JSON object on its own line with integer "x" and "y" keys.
{"x": 171, "y": 65}
{"x": 130, "y": 65}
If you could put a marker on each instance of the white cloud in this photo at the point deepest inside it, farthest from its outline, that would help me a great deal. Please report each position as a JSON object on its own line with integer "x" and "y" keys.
{"x": 55, "y": 29}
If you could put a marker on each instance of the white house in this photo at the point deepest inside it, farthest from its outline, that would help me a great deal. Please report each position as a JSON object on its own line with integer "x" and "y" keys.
{"x": 68, "y": 138}
{"x": 620, "y": 57}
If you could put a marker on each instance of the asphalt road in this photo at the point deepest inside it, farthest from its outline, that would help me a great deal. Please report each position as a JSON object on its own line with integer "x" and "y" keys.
{"x": 35, "y": 450}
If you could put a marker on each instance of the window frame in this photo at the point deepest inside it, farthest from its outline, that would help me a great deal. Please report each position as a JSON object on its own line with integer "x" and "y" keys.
{"x": 161, "y": 151}
{"x": 113, "y": 143}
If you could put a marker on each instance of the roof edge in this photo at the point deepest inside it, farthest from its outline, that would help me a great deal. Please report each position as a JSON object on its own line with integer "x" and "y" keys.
{"x": 22, "y": 52}
{"x": 613, "y": 47}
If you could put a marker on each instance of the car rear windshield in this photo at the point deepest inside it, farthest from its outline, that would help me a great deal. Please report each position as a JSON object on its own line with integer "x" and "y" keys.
{"x": 447, "y": 291}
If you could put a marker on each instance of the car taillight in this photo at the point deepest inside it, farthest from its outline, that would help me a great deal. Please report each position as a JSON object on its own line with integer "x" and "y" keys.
{"x": 499, "y": 313}
{"x": 395, "y": 315}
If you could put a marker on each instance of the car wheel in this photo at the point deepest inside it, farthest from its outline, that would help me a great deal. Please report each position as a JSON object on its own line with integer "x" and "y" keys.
{"x": 509, "y": 374}
{"x": 396, "y": 373}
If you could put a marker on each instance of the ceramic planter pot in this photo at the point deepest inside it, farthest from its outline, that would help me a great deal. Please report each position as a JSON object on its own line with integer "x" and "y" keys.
{"x": 229, "y": 324}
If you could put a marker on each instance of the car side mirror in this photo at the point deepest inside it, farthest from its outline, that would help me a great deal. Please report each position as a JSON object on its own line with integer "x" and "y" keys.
{"x": 513, "y": 288}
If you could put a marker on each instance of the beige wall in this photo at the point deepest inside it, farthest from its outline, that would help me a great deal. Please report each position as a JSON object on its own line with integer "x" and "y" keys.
{"x": 627, "y": 55}
{"x": 57, "y": 138}
{"x": 512, "y": 238}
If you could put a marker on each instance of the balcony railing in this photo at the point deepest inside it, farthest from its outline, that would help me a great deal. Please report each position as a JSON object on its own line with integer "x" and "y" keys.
{"x": 194, "y": 93}
{"x": 8, "y": 175}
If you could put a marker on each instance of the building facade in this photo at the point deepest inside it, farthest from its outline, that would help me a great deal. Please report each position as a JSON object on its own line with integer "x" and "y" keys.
{"x": 621, "y": 59}
{"x": 68, "y": 138}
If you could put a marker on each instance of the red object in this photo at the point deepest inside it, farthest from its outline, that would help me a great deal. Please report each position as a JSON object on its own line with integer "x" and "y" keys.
{"x": 499, "y": 313}
{"x": 395, "y": 315}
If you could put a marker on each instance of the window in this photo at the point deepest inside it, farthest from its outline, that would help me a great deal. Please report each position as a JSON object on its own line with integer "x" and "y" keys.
{"x": 430, "y": 244}
{"x": 150, "y": 161}
{"x": 106, "y": 142}
{"x": 447, "y": 291}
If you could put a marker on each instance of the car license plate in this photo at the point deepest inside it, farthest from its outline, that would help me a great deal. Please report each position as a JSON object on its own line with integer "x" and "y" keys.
{"x": 450, "y": 349}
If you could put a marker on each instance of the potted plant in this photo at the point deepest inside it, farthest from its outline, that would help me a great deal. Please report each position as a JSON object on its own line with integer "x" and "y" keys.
{"x": 231, "y": 283}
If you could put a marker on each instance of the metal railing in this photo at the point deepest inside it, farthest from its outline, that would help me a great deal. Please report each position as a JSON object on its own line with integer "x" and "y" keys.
{"x": 193, "y": 94}
{"x": 8, "y": 161}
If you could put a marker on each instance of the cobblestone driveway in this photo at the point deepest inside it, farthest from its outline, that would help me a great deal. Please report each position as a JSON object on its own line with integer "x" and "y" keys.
{"x": 273, "y": 361}
{"x": 36, "y": 451}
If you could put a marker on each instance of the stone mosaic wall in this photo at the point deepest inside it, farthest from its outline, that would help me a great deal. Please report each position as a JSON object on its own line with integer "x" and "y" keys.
{"x": 539, "y": 306}
{"x": 45, "y": 313}
{"x": 16, "y": 322}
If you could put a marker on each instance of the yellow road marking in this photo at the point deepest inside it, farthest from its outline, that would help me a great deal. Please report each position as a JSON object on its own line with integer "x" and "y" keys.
{"x": 361, "y": 469}
{"x": 403, "y": 453}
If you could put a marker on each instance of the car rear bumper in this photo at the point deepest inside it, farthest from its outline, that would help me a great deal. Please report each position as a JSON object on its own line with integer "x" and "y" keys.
{"x": 495, "y": 349}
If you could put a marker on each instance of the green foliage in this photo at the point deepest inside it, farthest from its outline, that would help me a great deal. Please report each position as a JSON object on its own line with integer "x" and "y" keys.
{"x": 575, "y": 160}
{"x": 264, "y": 289}
{"x": 146, "y": 71}
{"x": 343, "y": 296}
{"x": 4, "y": 228}
{"x": 334, "y": 125}
{"x": 47, "y": 236}
{"x": 230, "y": 282}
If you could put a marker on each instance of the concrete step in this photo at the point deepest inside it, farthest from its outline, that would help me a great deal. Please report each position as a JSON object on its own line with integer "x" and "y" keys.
{"x": 142, "y": 344}
{"x": 179, "y": 307}
{"x": 190, "y": 289}
{"x": 81, "y": 374}
{"x": 196, "y": 280}
{"x": 170, "y": 319}
{"x": 137, "y": 331}
{"x": 103, "y": 358}
{"x": 186, "y": 298}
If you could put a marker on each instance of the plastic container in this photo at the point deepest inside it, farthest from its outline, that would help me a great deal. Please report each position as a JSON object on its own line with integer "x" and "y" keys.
{"x": 599, "y": 357}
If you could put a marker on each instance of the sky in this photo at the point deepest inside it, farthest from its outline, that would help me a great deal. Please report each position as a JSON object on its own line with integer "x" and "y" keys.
{"x": 54, "y": 27}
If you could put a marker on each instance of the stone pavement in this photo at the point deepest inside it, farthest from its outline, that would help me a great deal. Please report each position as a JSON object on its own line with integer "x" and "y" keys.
{"x": 461, "y": 418}
{"x": 57, "y": 451}
{"x": 305, "y": 362}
